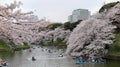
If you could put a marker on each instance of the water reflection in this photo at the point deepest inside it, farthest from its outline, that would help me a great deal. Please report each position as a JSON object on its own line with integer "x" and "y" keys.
{"x": 4, "y": 55}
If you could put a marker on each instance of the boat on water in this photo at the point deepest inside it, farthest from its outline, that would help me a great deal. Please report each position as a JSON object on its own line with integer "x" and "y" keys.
{"x": 80, "y": 62}
{"x": 3, "y": 63}
{"x": 33, "y": 58}
{"x": 96, "y": 60}
{"x": 75, "y": 58}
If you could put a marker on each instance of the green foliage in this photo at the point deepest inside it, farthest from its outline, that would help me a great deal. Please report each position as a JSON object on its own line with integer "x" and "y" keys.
{"x": 113, "y": 53}
{"x": 107, "y": 6}
{"x": 67, "y": 26}
{"x": 4, "y": 55}
{"x": 116, "y": 45}
{"x": 46, "y": 43}
{"x": 41, "y": 29}
{"x": 114, "y": 49}
{"x": 19, "y": 47}
{"x": 73, "y": 25}
{"x": 25, "y": 43}
{"x": 53, "y": 26}
{"x": 3, "y": 46}
{"x": 50, "y": 43}
{"x": 58, "y": 43}
{"x": 41, "y": 43}
{"x": 70, "y": 26}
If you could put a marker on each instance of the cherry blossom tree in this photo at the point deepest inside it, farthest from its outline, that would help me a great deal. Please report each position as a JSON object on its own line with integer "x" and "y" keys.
{"x": 91, "y": 36}
{"x": 17, "y": 25}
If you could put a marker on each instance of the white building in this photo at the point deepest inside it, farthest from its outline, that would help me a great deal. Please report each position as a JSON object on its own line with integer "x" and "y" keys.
{"x": 79, "y": 14}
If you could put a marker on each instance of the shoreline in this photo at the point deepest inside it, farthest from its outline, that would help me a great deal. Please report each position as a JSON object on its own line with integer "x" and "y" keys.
{"x": 110, "y": 57}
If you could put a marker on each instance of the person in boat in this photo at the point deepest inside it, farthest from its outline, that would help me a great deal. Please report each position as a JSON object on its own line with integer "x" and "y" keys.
{"x": 80, "y": 59}
{"x": 3, "y": 63}
{"x": 33, "y": 58}
{"x": 91, "y": 59}
{"x": 49, "y": 51}
{"x": 30, "y": 50}
{"x": 0, "y": 64}
{"x": 61, "y": 55}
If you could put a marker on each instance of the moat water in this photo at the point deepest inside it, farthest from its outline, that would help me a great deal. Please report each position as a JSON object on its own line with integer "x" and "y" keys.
{"x": 44, "y": 58}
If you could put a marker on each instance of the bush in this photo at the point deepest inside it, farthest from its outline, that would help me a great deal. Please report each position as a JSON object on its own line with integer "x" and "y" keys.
{"x": 67, "y": 26}
{"x": 108, "y": 6}
{"x": 41, "y": 29}
{"x": 3, "y": 46}
{"x": 116, "y": 44}
{"x": 25, "y": 43}
{"x": 58, "y": 43}
{"x": 114, "y": 49}
{"x": 73, "y": 25}
{"x": 70, "y": 26}
{"x": 19, "y": 47}
{"x": 53, "y": 26}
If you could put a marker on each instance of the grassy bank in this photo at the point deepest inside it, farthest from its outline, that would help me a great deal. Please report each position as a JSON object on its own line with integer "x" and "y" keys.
{"x": 19, "y": 47}
{"x": 5, "y": 50}
{"x": 114, "y": 49}
{"x": 4, "y": 55}
{"x": 3, "y": 46}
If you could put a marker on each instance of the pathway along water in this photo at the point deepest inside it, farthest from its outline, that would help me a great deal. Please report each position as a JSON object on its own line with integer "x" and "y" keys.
{"x": 45, "y": 59}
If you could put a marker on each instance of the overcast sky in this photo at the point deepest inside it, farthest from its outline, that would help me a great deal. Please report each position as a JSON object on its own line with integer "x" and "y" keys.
{"x": 58, "y": 10}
